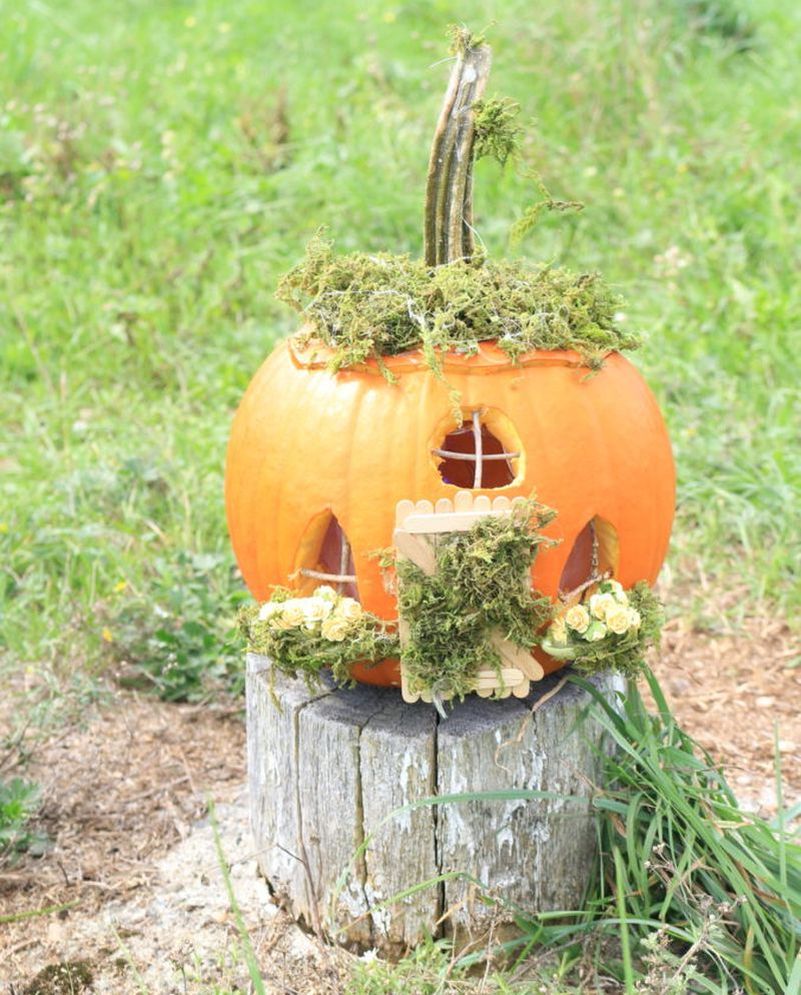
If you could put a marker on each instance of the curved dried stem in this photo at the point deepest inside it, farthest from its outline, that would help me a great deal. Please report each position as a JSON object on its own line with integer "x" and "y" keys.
{"x": 449, "y": 187}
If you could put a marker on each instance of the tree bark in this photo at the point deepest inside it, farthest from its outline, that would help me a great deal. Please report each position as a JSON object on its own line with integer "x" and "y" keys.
{"x": 330, "y": 769}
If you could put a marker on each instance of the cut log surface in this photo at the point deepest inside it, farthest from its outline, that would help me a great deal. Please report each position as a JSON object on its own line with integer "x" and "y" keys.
{"x": 330, "y": 769}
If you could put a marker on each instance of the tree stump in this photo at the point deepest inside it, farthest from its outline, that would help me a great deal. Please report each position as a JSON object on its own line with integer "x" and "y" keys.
{"x": 329, "y": 768}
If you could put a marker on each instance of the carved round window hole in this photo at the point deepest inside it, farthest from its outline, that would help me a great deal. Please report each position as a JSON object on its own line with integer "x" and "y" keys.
{"x": 473, "y": 456}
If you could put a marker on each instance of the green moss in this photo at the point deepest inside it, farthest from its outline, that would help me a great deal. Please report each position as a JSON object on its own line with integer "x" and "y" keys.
{"x": 365, "y": 306}
{"x": 532, "y": 214}
{"x": 478, "y": 588}
{"x": 497, "y": 134}
{"x": 300, "y": 652}
{"x": 463, "y": 39}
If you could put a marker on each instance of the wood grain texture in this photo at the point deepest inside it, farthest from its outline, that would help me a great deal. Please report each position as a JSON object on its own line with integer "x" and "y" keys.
{"x": 398, "y": 765}
{"x": 329, "y": 800}
{"x": 331, "y": 769}
{"x": 273, "y": 778}
{"x": 534, "y": 854}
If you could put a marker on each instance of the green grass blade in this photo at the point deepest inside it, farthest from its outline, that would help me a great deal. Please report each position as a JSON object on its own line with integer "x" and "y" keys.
{"x": 250, "y": 955}
{"x": 625, "y": 940}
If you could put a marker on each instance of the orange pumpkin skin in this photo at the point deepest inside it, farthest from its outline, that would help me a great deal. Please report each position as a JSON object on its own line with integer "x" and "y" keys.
{"x": 306, "y": 441}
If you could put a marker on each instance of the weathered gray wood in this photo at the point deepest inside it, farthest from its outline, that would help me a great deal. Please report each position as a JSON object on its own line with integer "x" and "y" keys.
{"x": 533, "y": 854}
{"x": 273, "y": 775}
{"x": 398, "y": 765}
{"x": 330, "y": 806}
{"x": 329, "y": 770}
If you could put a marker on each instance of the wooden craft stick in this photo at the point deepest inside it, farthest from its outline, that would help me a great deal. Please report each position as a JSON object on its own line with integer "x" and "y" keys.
{"x": 418, "y": 527}
{"x": 416, "y": 549}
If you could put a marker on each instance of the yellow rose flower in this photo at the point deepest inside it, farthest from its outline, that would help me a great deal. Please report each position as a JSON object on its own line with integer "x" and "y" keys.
{"x": 577, "y": 618}
{"x": 268, "y": 609}
{"x": 617, "y": 619}
{"x": 325, "y": 592}
{"x": 595, "y": 632}
{"x": 558, "y": 632}
{"x": 634, "y": 618}
{"x": 350, "y": 609}
{"x": 335, "y": 628}
{"x": 600, "y": 604}
{"x": 315, "y": 610}
{"x": 290, "y": 615}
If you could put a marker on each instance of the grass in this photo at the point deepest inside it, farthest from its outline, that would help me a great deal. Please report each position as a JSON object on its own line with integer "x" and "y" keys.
{"x": 248, "y": 953}
{"x": 19, "y": 803}
{"x": 430, "y": 970}
{"x": 688, "y": 877}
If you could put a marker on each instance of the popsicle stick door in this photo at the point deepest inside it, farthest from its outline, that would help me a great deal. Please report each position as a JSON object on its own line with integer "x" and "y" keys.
{"x": 418, "y": 526}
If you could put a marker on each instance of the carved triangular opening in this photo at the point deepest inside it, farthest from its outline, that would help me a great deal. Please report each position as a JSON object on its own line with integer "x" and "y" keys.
{"x": 594, "y": 554}
{"x": 326, "y": 556}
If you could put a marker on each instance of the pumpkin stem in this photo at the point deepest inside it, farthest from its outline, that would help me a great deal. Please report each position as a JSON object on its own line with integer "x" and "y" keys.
{"x": 449, "y": 187}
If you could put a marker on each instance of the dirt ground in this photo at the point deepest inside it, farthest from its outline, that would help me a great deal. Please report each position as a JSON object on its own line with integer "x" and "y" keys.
{"x": 739, "y": 695}
{"x": 133, "y": 866}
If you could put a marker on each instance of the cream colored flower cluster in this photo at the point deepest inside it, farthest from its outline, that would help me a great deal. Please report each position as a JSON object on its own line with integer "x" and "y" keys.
{"x": 607, "y": 611}
{"x": 325, "y": 613}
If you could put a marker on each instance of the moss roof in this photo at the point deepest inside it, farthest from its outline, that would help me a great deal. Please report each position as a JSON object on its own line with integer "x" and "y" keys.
{"x": 372, "y": 305}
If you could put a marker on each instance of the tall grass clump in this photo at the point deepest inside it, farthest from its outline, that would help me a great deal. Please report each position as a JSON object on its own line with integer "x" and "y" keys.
{"x": 692, "y": 889}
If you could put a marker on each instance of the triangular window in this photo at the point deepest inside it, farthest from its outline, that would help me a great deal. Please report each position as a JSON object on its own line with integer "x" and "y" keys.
{"x": 593, "y": 556}
{"x": 333, "y": 563}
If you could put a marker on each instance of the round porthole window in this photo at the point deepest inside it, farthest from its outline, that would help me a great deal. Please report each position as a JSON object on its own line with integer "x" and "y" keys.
{"x": 473, "y": 456}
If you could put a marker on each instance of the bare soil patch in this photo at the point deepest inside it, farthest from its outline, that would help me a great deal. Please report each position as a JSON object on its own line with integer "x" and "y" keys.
{"x": 120, "y": 788}
{"x": 134, "y": 866}
{"x": 738, "y": 693}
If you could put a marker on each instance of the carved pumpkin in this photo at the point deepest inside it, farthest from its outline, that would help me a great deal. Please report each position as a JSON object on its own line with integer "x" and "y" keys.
{"x": 318, "y": 460}
{"x": 310, "y": 449}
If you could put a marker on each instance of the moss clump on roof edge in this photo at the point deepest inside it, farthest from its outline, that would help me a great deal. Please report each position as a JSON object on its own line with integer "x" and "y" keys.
{"x": 366, "y": 306}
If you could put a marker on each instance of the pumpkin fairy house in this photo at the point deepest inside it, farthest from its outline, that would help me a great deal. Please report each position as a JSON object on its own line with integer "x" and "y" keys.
{"x": 450, "y": 479}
